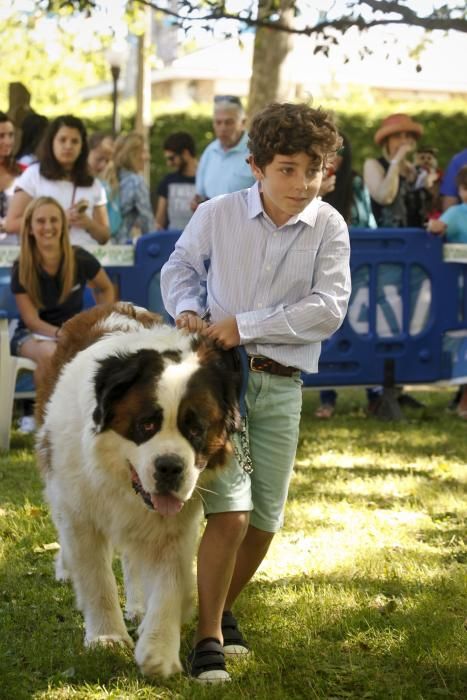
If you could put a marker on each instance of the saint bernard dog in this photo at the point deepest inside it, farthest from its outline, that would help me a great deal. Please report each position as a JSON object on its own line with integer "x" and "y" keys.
{"x": 134, "y": 417}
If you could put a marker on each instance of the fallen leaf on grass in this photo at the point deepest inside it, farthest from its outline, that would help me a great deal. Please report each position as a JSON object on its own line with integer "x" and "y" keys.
{"x": 35, "y": 512}
{"x": 384, "y": 606}
{"x": 50, "y": 547}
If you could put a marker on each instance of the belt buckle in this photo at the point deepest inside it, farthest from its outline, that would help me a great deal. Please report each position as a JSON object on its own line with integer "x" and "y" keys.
{"x": 251, "y": 363}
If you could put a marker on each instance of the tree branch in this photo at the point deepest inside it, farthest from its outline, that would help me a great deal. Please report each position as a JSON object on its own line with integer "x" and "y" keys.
{"x": 191, "y": 13}
{"x": 407, "y": 17}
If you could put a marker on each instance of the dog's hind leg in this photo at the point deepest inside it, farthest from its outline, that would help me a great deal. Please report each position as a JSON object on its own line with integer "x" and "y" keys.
{"x": 89, "y": 556}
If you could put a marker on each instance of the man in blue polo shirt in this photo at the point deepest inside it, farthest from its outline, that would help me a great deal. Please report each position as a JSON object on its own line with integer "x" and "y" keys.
{"x": 223, "y": 167}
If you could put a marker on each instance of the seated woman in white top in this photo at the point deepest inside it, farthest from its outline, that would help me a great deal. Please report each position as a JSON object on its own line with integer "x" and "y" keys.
{"x": 62, "y": 173}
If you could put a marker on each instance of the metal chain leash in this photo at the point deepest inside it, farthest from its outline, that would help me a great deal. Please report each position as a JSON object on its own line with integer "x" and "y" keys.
{"x": 242, "y": 452}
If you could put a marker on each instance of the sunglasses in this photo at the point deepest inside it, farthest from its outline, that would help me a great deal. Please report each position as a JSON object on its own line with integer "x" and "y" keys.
{"x": 171, "y": 159}
{"x": 233, "y": 99}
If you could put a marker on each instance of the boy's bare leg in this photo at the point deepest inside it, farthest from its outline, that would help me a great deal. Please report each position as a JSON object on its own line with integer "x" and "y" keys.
{"x": 250, "y": 554}
{"x": 217, "y": 555}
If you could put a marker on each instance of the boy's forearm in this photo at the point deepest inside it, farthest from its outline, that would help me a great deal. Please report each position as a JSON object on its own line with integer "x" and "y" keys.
{"x": 308, "y": 321}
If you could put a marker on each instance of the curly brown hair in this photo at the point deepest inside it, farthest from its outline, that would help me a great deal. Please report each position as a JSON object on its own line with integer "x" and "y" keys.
{"x": 286, "y": 128}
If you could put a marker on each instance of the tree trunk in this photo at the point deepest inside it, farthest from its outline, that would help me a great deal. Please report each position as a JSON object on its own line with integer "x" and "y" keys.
{"x": 143, "y": 86}
{"x": 268, "y": 82}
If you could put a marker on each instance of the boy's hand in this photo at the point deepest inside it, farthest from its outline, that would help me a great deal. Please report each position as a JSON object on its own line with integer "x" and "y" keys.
{"x": 436, "y": 226}
{"x": 191, "y": 322}
{"x": 224, "y": 333}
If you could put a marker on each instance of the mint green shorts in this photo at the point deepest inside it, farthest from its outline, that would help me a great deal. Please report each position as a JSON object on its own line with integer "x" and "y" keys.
{"x": 274, "y": 405}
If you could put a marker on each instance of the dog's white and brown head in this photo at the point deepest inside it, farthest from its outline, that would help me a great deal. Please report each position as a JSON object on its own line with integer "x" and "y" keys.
{"x": 174, "y": 411}
{"x": 162, "y": 403}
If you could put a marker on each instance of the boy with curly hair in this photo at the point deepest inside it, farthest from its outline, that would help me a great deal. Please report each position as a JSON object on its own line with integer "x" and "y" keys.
{"x": 278, "y": 283}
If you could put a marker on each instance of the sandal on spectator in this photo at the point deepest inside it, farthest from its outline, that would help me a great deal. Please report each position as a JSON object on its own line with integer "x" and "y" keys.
{"x": 206, "y": 662}
{"x": 326, "y": 411}
{"x": 234, "y": 644}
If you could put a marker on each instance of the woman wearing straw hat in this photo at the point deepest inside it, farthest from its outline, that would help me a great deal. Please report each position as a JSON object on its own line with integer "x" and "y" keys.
{"x": 389, "y": 178}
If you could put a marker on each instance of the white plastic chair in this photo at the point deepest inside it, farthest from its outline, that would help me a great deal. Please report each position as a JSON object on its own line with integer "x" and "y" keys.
{"x": 10, "y": 367}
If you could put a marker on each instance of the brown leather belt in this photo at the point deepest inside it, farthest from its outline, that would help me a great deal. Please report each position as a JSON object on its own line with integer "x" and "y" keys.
{"x": 258, "y": 363}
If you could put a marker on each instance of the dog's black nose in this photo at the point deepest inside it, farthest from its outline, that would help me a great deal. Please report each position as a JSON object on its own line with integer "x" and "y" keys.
{"x": 168, "y": 472}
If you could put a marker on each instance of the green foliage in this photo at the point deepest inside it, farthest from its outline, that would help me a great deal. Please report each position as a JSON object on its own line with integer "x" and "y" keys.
{"x": 362, "y": 594}
{"x": 50, "y": 64}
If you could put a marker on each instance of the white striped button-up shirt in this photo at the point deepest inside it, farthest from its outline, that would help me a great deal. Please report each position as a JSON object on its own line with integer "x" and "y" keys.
{"x": 288, "y": 286}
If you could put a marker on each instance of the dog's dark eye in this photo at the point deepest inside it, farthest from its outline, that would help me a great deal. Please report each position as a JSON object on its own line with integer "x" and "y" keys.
{"x": 193, "y": 429}
{"x": 145, "y": 428}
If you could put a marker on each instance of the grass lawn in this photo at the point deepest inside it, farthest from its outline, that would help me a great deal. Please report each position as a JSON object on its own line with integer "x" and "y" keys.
{"x": 363, "y": 593}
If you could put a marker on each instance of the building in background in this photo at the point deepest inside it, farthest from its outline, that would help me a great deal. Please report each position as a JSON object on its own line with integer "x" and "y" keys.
{"x": 224, "y": 67}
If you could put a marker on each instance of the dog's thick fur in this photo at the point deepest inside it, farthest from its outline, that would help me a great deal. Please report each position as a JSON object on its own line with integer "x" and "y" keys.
{"x": 134, "y": 416}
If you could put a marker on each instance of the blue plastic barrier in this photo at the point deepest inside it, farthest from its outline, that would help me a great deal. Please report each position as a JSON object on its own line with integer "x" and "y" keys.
{"x": 405, "y": 301}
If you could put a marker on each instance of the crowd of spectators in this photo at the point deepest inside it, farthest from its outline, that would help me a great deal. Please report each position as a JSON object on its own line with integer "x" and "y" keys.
{"x": 98, "y": 183}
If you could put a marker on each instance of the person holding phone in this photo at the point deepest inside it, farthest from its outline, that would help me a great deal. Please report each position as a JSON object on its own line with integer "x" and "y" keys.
{"x": 62, "y": 172}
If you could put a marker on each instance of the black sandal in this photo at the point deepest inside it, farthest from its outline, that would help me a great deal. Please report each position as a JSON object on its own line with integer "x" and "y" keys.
{"x": 206, "y": 662}
{"x": 234, "y": 644}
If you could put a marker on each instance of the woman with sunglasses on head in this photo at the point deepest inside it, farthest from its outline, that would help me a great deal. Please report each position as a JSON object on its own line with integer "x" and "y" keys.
{"x": 177, "y": 189}
{"x": 62, "y": 173}
{"x": 129, "y": 202}
{"x": 9, "y": 172}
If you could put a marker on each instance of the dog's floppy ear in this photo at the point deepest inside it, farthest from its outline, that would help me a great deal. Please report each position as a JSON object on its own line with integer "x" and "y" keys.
{"x": 228, "y": 368}
{"x": 116, "y": 374}
{"x": 232, "y": 387}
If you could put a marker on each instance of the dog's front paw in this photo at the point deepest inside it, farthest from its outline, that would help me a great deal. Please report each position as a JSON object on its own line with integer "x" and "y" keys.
{"x": 109, "y": 640}
{"x": 156, "y": 659}
{"x": 61, "y": 571}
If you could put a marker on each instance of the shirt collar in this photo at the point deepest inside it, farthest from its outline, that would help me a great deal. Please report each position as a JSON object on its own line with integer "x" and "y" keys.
{"x": 255, "y": 207}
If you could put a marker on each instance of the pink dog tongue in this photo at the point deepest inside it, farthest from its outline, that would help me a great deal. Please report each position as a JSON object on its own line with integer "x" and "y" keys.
{"x": 166, "y": 504}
